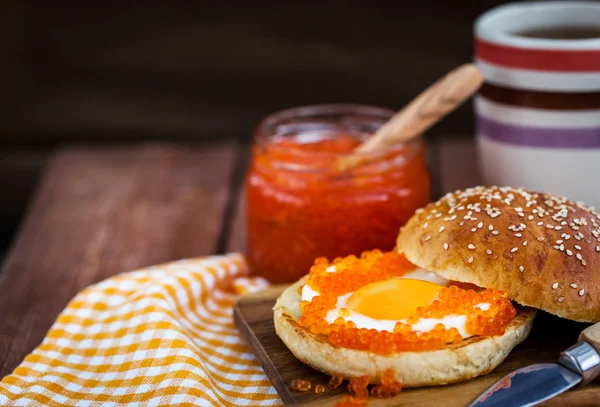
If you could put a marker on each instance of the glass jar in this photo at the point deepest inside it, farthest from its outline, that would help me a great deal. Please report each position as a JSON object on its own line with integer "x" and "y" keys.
{"x": 301, "y": 204}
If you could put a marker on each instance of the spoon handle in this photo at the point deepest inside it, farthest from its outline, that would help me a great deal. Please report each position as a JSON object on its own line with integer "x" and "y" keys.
{"x": 430, "y": 106}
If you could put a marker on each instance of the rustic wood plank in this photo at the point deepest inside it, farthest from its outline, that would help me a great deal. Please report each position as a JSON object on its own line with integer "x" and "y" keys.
{"x": 459, "y": 167}
{"x": 237, "y": 237}
{"x": 237, "y": 230}
{"x": 253, "y": 315}
{"x": 99, "y": 212}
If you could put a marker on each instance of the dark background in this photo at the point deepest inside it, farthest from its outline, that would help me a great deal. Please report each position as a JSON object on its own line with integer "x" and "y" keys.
{"x": 84, "y": 72}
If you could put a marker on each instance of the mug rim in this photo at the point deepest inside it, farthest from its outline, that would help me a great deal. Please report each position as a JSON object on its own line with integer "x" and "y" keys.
{"x": 490, "y": 26}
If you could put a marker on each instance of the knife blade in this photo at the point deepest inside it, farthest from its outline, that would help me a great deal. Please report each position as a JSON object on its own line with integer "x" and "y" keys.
{"x": 529, "y": 386}
{"x": 536, "y": 383}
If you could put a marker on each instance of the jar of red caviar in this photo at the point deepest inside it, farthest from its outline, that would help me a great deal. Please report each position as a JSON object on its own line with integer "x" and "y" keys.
{"x": 302, "y": 204}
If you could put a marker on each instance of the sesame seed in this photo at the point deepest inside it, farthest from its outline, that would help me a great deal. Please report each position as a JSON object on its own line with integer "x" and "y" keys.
{"x": 495, "y": 232}
{"x": 480, "y": 225}
{"x": 569, "y": 252}
{"x": 573, "y": 285}
{"x": 519, "y": 209}
{"x": 583, "y": 262}
{"x": 560, "y": 299}
{"x": 564, "y": 223}
{"x": 530, "y": 217}
{"x": 557, "y": 227}
{"x": 554, "y": 286}
{"x": 521, "y": 268}
{"x": 525, "y": 243}
{"x": 425, "y": 225}
{"x": 518, "y": 235}
{"x": 452, "y": 217}
{"x": 522, "y": 226}
{"x": 462, "y": 223}
{"x": 559, "y": 241}
{"x": 549, "y": 226}
{"x": 491, "y": 227}
{"x": 578, "y": 255}
{"x": 474, "y": 230}
{"x": 514, "y": 249}
{"x": 521, "y": 214}
{"x": 575, "y": 227}
{"x": 445, "y": 246}
{"x": 426, "y": 238}
{"x": 471, "y": 246}
{"x": 470, "y": 259}
{"x": 441, "y": 229}
{"x": 488, "y": 251}
{"x": 556, "y": 247}
{"x": 581, "y": 292}
{"x": 562, "y": 247}
{"x": 541, "y": 238}
{"x": 598, "y": 248}
{"x": 577, "y": 247}
{"x": 540, "y": 223}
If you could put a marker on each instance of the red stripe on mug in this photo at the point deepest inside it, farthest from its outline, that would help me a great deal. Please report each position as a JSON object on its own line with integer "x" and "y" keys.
{"x": 538, "y": 59}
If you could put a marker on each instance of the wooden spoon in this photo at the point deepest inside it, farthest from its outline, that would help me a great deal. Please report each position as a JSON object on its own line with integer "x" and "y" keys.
{"x": 424, "y": 111}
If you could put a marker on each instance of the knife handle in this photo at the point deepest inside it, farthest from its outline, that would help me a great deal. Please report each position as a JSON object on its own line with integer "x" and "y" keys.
{"x": 591, "y": 334}
{"x": 584, "y": 357}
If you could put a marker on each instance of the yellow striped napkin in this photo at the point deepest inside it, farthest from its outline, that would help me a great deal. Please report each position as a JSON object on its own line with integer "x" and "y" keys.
{"x": 159, "y": 336}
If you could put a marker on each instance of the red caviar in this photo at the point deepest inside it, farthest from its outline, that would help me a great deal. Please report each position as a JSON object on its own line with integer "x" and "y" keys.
{"x": 389, "y": 387}
{"x": 450, "y": 301}
{"x": 351, "y": 401}
{"x": 354, "y": 272}
{"x": 300, "y": 385}
{"x": 358, "y": 386}
{"x": 301, "y": 204}
{"x": 335, "y": 381}
{"x": 319, "y": 388}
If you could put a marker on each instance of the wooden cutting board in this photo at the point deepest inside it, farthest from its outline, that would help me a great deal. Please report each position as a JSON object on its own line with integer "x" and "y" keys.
{"x": 253, "y": 316}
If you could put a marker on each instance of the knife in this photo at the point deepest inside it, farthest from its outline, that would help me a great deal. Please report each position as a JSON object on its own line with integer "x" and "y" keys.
{"x": 531, "y": 385}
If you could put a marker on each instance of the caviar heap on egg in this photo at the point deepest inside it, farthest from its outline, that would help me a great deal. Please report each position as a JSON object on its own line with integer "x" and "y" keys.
{"x": 377, "y": 303}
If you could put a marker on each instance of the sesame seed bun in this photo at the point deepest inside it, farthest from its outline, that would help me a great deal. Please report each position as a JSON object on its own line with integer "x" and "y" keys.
{"x": 475, "y": 356}
{"x": 542, "y": 250}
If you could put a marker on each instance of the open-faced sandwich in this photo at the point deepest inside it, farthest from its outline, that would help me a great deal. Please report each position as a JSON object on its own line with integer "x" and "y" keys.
{"x": 458, "y": 293}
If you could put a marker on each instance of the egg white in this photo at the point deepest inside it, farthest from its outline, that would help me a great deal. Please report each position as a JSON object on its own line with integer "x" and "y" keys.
{"x": 423, "y": 325}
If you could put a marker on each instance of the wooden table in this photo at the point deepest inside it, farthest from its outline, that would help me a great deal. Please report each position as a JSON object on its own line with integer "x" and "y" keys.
{"x": 99, "y": 212}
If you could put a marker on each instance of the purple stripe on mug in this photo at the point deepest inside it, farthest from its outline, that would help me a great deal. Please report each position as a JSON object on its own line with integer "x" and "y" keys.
{"x": 538, "y": 136}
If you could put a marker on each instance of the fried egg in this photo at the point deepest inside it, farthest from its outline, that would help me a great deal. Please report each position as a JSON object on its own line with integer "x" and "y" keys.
{"x": 380, "y": 305}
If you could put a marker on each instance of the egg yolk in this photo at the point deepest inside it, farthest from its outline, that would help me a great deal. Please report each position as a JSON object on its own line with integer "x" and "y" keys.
{"x": 393, "y": 299}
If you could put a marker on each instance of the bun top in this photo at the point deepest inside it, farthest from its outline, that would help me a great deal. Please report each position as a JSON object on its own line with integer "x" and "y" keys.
{"x": 542, "y": 250}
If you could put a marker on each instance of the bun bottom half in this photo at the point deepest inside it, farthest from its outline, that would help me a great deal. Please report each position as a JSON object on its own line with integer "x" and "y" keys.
{"x": 475, "y": 356}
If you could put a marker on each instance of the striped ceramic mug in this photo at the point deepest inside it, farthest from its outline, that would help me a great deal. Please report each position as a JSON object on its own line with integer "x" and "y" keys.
{"x": 538, "y": 113}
